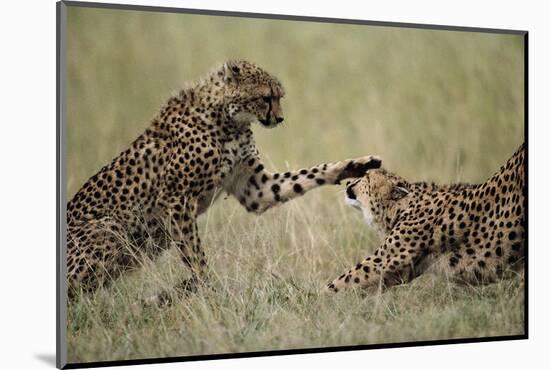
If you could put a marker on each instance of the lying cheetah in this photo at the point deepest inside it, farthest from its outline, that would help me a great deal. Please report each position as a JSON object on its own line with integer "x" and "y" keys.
{"x": 200, "y": 144}
{"x": 475, "y": 231}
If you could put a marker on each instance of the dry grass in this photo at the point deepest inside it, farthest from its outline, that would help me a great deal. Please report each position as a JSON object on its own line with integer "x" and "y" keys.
{"x": 436, "y": 105}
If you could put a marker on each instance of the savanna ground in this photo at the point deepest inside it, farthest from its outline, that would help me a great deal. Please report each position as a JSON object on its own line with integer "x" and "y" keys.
{"x": 436, "y": 105}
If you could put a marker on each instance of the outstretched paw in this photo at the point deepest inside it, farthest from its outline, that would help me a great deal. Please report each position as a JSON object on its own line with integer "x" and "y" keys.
{"x": 358, "y": 167}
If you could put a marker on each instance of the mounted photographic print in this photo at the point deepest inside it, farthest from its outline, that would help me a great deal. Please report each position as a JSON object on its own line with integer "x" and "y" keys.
{"x": 234, "y": 184}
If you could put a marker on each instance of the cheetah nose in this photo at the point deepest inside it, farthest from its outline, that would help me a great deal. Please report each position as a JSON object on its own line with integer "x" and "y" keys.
{"x": 350, "y": 194}
{"x": 279, "y": 119}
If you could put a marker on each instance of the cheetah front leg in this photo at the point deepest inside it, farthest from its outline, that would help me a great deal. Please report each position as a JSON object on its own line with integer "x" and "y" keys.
{"x": 258, "y": 190}
{"x": 397, "y": 261}
{"x": 182, "y": 233}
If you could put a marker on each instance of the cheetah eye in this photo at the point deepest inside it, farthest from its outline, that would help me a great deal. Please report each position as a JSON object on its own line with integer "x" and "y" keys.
{"x": 267, "y": 99}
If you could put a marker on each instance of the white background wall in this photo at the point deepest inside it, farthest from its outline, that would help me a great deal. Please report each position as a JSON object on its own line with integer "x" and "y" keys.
{"x": 27, "y": 182}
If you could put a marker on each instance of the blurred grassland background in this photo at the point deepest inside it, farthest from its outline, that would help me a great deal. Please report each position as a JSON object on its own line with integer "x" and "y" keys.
{"x": 436, "y": 105}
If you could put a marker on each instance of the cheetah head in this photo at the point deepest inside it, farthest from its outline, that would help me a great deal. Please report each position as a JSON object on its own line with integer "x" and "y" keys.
{"x": 252, "y": 94}
{"x": 376, "y": 195}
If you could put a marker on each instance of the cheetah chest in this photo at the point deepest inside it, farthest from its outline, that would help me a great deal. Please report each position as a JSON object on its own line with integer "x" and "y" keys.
{"x": 228, "y": 172}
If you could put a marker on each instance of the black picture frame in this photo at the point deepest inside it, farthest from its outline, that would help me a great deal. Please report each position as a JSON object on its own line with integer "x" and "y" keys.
{"x": 61, "y": 199}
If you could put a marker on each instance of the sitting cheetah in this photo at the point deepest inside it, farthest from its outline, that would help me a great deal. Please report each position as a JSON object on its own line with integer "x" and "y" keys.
{"x": 474, "y": 231}
{"x": 200, "y": 144}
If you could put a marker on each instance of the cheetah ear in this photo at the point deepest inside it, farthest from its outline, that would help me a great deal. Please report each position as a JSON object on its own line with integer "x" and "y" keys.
{"x": 231, "y": 71}
{"x": 399, "y": 191}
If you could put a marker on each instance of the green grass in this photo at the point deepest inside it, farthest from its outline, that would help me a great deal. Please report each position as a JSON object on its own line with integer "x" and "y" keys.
{"x": 436, "y": 105}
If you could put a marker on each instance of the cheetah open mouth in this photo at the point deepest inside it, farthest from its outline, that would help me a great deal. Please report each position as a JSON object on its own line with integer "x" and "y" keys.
{"x": 268, "y": 123}
{"x": 353, "y": 203}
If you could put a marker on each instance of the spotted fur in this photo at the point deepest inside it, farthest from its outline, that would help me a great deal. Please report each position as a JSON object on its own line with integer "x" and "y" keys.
{"x": 199, "y": 145}
{"x": 474, "y": 231}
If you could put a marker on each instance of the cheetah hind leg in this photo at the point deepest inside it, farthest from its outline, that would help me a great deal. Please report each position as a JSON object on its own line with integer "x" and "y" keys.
{"x": 97, "y": 253}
